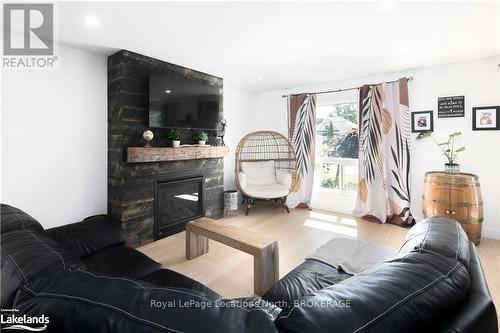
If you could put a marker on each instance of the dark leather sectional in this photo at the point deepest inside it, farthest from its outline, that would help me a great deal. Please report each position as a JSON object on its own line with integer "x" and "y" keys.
{"x": 85, "y": 279}
{"x": 434, "y": 284}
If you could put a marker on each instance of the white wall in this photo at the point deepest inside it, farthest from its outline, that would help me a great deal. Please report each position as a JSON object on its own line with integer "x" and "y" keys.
{"x": 239, "y": 111}
{"x": 478, "y": 80}
{"x": 54, "y": 139}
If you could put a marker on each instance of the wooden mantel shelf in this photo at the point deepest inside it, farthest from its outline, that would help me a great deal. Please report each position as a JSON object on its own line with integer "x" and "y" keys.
{"x": 144, "y": 155}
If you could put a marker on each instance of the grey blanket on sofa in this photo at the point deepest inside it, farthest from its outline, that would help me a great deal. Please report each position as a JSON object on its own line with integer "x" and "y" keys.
{"x": 351, "y": 255}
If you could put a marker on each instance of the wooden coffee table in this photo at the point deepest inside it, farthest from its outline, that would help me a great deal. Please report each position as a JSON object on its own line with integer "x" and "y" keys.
{"x": 264, "y": 250}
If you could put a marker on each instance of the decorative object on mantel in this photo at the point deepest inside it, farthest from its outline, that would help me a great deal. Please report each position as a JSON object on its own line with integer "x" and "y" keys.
{"x": 448, "y": 149}
{"x": 193, "y": 145}
{"x": 148, "y": 136}
{"x": 486, "y": 118}
{"x": 457, "y": 196}
{"x": 222, "y": 131}
{"x": 451, "y": 107}
{"x": 422, "y": 121}
{"x": 194, "y": 152}
{"x": 174, "y": 137}
{"x": 202, "y": 138}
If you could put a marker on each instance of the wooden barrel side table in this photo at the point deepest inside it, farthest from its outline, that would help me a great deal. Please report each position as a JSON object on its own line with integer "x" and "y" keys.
{"x": 457, "y": 196}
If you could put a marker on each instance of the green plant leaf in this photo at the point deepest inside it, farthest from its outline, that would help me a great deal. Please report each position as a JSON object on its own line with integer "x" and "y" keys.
{"x": 172, "y": 135}
{"x": 203, "y": 136}
{"x": 447, "y": 148}
{"x": 423, "y": 135}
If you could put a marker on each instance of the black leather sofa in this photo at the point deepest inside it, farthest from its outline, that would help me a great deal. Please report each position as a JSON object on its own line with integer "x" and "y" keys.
{"x": 85, "y": 279}
{"x": 434, "y": 284}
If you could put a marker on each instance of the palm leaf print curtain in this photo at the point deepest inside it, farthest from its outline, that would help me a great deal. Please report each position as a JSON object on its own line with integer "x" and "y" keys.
{"x": 302, "y": 133}
{"x": 384, "y": 154}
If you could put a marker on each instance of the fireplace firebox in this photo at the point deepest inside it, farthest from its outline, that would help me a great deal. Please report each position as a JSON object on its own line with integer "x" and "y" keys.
{"x": 178, "y": 199}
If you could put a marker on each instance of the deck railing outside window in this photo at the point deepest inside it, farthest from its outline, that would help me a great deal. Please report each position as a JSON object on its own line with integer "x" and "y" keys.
{"x": 337, "y": 146}
{"x": 338, "y": 173}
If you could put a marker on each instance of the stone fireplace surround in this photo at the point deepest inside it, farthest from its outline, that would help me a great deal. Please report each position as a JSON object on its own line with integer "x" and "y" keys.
{"x": 131, "y": 186}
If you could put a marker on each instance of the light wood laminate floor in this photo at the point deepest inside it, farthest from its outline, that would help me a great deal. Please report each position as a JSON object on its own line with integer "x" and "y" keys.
{"x": 230, "y": 272}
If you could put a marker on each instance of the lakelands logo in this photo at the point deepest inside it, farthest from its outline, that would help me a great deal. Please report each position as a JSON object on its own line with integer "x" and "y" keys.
{"x": 10, "y": 319}
{"x": 28, "y": 36}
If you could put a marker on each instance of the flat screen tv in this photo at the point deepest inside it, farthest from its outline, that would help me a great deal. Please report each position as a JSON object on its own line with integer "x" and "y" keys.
{"x": 178, "y": 102}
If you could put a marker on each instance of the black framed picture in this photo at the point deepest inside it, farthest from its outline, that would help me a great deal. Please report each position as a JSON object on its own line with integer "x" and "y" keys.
{"x": 486, "y": 118}
{"x": 451, "y": 107}
{"x": 422, "y": 121}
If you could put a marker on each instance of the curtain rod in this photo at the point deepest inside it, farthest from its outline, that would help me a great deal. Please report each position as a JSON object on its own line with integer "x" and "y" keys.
{"x": 346, "y": 89}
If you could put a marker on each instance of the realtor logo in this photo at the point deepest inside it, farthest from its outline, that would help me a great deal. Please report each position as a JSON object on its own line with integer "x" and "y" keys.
{"x": 28, "y": 35}
{"x": 11, "y": 319}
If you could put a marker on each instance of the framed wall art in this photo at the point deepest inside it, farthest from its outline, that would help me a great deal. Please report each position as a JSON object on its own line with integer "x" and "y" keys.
{"x": 486, "y": 118}
{"x": 422, "y": 121}
{"x": 451, "y": 107}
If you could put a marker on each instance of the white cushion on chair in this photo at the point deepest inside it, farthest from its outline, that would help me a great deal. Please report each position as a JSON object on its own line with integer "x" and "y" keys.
{"x": 259, "y": 180}
{"x": 259, "y": 172}
{"x": 284, "y": 178}
{"x": 243, "y": 180}
{"x": 267, "y": 191}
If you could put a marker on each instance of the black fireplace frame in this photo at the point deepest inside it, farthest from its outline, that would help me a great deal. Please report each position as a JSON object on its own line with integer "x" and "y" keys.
{"x": 179, "y": 225}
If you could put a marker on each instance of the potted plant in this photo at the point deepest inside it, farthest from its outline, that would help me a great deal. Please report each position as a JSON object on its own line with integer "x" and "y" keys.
{"x": 448, "y": 149}
{"x": 202, "y": 138}
{"x": 174, "y": 137}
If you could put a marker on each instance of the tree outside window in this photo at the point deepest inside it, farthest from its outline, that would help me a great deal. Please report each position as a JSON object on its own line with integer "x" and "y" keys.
{"x": 337, "y": 145}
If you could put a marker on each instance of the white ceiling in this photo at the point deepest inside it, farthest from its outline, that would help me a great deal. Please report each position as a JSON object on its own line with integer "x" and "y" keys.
{"x": 287, "y": 43}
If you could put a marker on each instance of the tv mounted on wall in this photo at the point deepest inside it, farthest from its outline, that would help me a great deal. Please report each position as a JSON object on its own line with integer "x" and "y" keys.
{"x": 178, "y": 102}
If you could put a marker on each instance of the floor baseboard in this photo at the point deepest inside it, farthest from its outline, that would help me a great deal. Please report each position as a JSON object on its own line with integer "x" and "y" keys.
{"x": 491, "y": 233}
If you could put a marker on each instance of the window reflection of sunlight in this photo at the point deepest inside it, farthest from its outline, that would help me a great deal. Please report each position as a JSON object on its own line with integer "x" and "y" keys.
{"x": 328, "y": 226}
{"x": 323, "y": 217}
{"x": 190, "y": 197}
{"x": 333, "y": 218}
{"x": 349, "y": 221}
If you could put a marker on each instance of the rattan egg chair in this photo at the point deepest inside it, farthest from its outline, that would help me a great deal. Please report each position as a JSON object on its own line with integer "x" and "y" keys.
{"x": 265, "y": 168}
